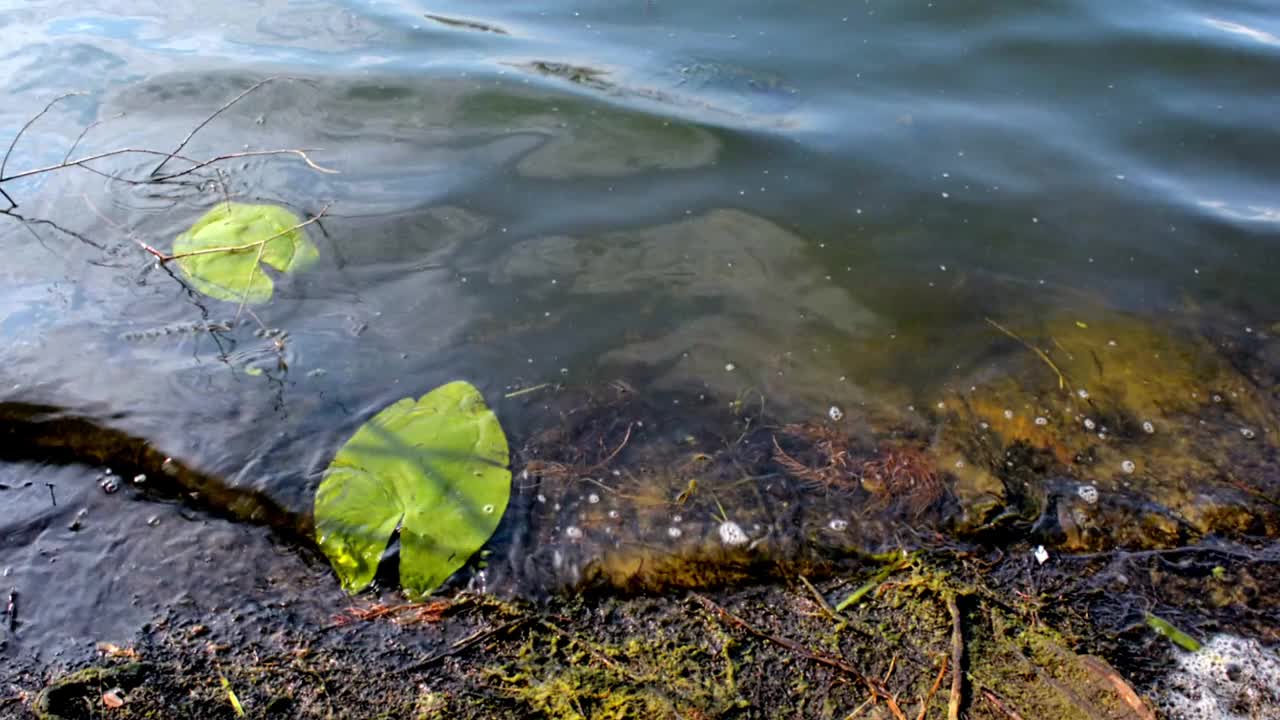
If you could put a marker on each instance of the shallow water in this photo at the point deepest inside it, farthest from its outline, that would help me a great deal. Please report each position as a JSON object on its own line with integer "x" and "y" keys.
{"x": 829, "y": 198}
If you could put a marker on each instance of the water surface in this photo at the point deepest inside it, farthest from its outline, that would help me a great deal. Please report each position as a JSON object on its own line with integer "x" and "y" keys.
{"x": 829, "y": 198}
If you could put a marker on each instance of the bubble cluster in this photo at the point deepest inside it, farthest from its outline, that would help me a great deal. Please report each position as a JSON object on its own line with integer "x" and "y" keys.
{"x": 1229, "y": 678}
{"x": 1088, "y": 493}
{"x": 731, "y": 534}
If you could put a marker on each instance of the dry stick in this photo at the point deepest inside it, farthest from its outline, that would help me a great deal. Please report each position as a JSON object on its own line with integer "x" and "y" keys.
{"x": 1122, "y": 686}
{"x": 957, "y": 657}
{"x": 85, "y": 131}
{"x": 1004, "y": 710}
{"x": 877, "y": 688}
{"x": 248, "y": 246}
{"x": 300, "y": 152}
{"x": 160, "y": 256}
{"x": 625, "y": 439}
{"x": 198, "y": 164}
{"x": 463, "y": 644}
{"x": 817, "y": 596}
{"x": 25, "y": 127}
{"x": 1062, "y": 380}
{"x": 257, "y": 261}
{"x": 933, "y": 690}
{"x": 209, "y": 119}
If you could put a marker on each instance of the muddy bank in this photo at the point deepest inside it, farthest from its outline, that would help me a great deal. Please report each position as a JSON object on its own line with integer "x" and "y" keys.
{"x": 1031, "y": 641}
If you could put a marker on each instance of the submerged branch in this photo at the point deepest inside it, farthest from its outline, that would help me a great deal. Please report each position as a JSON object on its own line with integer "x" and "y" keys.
{"x": 5, "y": 162}
{"x": 209, "y": 119}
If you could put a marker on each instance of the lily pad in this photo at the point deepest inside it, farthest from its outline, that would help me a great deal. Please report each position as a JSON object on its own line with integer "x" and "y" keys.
{"x": 245, "y": 238}
{"x": 434, "y": 468}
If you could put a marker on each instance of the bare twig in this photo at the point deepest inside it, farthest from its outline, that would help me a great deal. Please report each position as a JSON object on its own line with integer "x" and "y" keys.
{"x": 1062, "y": 380}
{"x": 209, "y": 119}
{"x": 625, "y": 439}
{"x": 957, "y": 657}
{"x": 872, "y": 684}
{"x": 1122, "y": 687}
{"x": 84, "y": 132}
{"x": 300, "y": 152}
{"x": 40, "y": 221}
{"x": 463, "y": 644}
{"x": 1000, "y": 706}
{"x": 248, "y": 246}
{"x": 29, "y": 123}
{"x": 817, "y": 596}
{"x": 143, "y": 151}
{"x": 12, "y": 205}
{"x": 158, "y": 254}
{"x": 933, "y": 690}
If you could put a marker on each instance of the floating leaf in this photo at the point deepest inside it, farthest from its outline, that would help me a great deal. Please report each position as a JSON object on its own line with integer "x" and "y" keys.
{"x": 232, "y": 242}
{"x": 436, "y": 469}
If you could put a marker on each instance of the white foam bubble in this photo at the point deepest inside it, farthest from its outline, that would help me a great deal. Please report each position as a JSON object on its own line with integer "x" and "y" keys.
{"x": 1229, "y": 678}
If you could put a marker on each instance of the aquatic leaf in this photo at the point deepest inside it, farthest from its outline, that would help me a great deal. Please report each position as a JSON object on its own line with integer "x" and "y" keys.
{"x": 1176, "y": 636}
{"x": 436, "y": 469}
{"x": 233, "y": 241}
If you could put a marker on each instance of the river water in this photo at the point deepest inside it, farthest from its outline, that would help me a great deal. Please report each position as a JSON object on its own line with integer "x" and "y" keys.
{"x": 823, "y": 202}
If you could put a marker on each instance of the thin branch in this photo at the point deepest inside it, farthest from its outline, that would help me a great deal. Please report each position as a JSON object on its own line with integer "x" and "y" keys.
{"x": 300, "y": 152}
{"x": 40, "y": 221}
{"x": 209, "y": 119}
{"x": 87, "y": 158}
{"x": 25, "y": 127}
{"x": 957, "y": 657}
{"x": 248, "y": 286}
{"x": 248, "y": 246}
{"x": 84, "y": 132}
{"x": 142, "y": 151}
{"x": 159, "y": 255}
{"x": 1062, "y": 380}
{"x": 873, "y": 684}
{"x": 12, "y": 205}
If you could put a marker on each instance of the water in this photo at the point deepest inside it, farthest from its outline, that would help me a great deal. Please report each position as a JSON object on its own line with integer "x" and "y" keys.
{"x": 830, "y": 198}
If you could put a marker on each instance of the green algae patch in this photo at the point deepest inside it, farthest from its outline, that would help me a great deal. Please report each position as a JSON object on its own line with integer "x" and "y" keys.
{"x": 67, "y": 696}
{"x": 222, "y": 255}
{"x": 433, "y": 469}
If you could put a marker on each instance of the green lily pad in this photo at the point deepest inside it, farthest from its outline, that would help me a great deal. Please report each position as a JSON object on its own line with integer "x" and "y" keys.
{"x": 252, "y": 235}
{"x": 436, "y": 468}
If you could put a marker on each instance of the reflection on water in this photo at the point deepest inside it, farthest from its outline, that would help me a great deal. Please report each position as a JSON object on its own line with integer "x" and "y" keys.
{"x": 807, "y": 206}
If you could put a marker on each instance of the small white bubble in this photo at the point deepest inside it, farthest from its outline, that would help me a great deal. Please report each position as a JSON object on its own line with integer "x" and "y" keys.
{"x": 959, "y": 464}
{"x": 731, "y": 533}
{"x": 1088, "y": 493}
{"x": 542, "y": 498}
{"x": 572, "y": 532}
{"x": 677, "y": 518}
{"x": 1008, "y": 414}
{"x": 1042, "y": 421}
{"x": 613, "y": 514}
{"x": 593, "y": 498}
{"x": 1247, "y": 433}
{"x": 1128, "y": 467}
{"x": 1148, "y": 427}
{"x": 1089, "y": 424}
{"x": 838, "y": 525}
{"x": 730, "y": 367}
{"x": 1041, "y": 555}
{"x": 674, "y": 532}
{"x": 488, "y": 509}
{"x": 1084, "y": 394}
